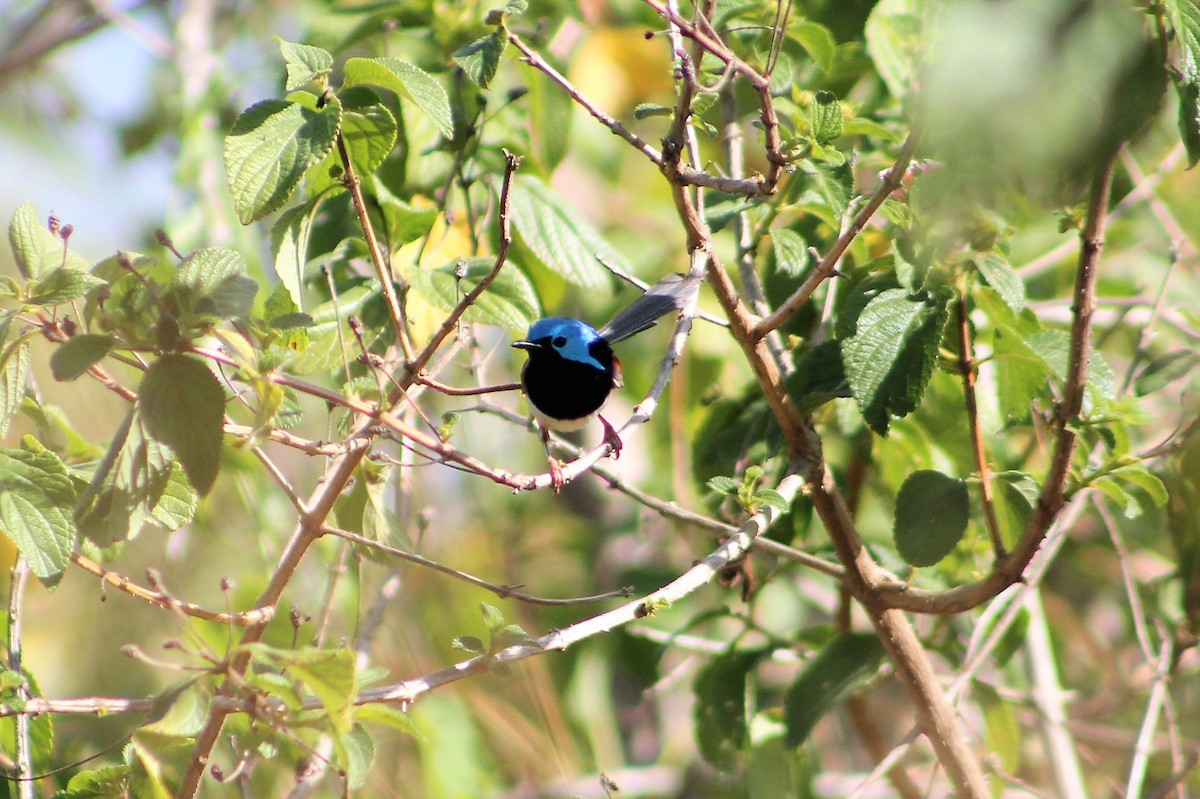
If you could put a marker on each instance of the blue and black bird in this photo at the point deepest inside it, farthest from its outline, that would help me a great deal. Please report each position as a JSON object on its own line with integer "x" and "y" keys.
{"x": 572, "y": 367}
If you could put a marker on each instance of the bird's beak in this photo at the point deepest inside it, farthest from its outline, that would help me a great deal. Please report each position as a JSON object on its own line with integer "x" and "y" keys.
{"x": 525, "y": 344}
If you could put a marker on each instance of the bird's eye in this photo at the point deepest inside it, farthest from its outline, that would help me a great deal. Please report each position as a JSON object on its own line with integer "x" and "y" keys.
{"x": 559, "y": 342}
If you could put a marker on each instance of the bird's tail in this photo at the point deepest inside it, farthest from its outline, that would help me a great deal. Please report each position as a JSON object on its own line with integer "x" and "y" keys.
{"x": 669, "y": 294}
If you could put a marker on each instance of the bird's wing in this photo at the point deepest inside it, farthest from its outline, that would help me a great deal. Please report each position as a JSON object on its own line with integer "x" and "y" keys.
{"x": 669, "y": 294}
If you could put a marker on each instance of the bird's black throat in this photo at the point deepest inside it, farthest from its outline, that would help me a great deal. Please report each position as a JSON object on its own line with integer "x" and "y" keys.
{"x": 562, "y": 388}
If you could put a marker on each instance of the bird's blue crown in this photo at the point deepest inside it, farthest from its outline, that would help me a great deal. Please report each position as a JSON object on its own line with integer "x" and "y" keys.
{"x": 570, "y": 338}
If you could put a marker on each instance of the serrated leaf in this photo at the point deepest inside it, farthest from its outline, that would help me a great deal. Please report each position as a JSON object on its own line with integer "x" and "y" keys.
{"x": 841, "y": 668}
{"x": 14, "y": 367}
{"x": 358, "y": 752}
{"x": 270, "y": 147}
{"x": 1003, "y": 278}
{"x": 819, "y": 377}
{"x": 1185, "y": 18}
{"x": 1189, "y": 119}
{"x": 720, "y": 720}
{"x": 127, "y": 484}
{"x": 178, "y": 502}
{"x": 180, "y": 711}
{"x": 646, "y": 110}
{"x": 816, "y": 40}
{"x": 216, "y": 282}
{"x": 304, "y": 63}
{"x": 828, "y": 185}
{"x": 63, "y": 285}
{"x": 1021, "y": 374}
{"x": 183, "y": 406}
{"x": 35, "y": 249}
{"x": 330, "y": 675}
{"x": 509, "y": 300}
{"x": 407, "y": 81}
{"x": 388, "y": 717}
{"x": 773, "y": 498}
{"x": 891, "y": 356}
{"x": 468, "y": 643}
{"x": 825, "y": 117}
{"x": 479, "y": 59}
{"x": 1141, "y": 477}
{"x": 289, "y": 243}
{"x": 1165, "y": 369}
{"x": 78, "y": 354}
{"x": 37, "y": 500}
{"x": 932, "y": 511}
{"x": 369, "y": 131}
{"x": 493, "y": 619}
{"x": 559, "y": 236}
{"x": 404, "y": 223}
{"x": 723, "y": 485}
{"x": 791, "y": 251}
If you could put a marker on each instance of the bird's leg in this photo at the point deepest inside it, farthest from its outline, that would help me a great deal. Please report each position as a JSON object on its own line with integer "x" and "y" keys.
{"x": 612, "y": 439}
{"x": 554, "y": 465}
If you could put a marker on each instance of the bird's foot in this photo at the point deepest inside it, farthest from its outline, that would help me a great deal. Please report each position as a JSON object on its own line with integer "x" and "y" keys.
{"x": 612, "y": 439}
{"x": 557, "y": 479}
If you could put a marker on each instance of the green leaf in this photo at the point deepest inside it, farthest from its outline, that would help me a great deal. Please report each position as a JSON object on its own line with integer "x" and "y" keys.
{"x": 931, "y": 516}
{"x": 1021, "y": 374}
{"x": 1165, "y": 369}
{"x": 825, "y": 117}
{"x": 183, "y": 406}
{"x": 127, "y": 484}
{"x": 105, "y": 783}
{"x": 35, "y": 249}
{"x": 369, "y": 131}
{"x": 63, "y": 285}
{"x": 215, "y": 282}
{"x": 407, "y": 81}
{"x": 551, "y": 112}
{"x": 1015, "y": 494}
{"x": 305, "y": 64}
{"x": 771, "y": 497}
{"x": 387, "y": 716}
{"x": 1002, "y": 734}
{"x": 270, "y": 147}
{"x": 330, "y": 675}
{"x": 78, "y": 354}
{"x": 827, "y": 185}
{"x": 559, "y": 236}
{"x": 178, "y": 502}
{"x": 721, "y": 728}
{"x": 1185, "y": 18}
{"x": 646, "y": 110}
{"x": 509, "y": 301}
{"x": 1189, "y": 118}
{"x": 840, "y": 669}
{"x": 480, "y": 58}
{"x": 289, "y": 243}
{"x": 1001, "y": 276}
{"x": 895, "y": 43}
{"x": 819, "y": 377}
{"x": 14, "y": 367}
{"x": 723, "y": 485}
{"x": 817, "y": 41}
{"x": 357, "y": 754}
{"x": 1142, "y": 478}
{"x": 493, "y": 619}
{"x": 180, "y": 711}
{"x": 791, "y": 251}
{"x": 891, "y": 356}
{"x": 37, "y": 499}
{"x": 404, "y": 223}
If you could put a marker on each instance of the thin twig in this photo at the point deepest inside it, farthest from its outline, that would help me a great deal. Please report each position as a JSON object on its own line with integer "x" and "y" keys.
{"x": 23, "y": 754}
{"x": 892, "y": 180}
{"x": 124, "y": 584}
{"x": 966, "y": 365}
{"x": 502, "y": 591}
